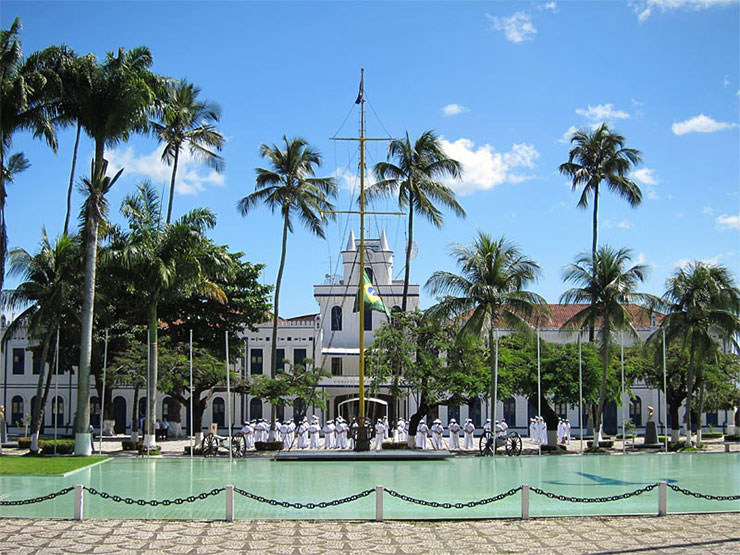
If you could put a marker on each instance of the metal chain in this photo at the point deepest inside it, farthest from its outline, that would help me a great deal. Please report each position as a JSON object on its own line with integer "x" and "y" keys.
{"x": 36, "y": 499}
{"x": 437, "y": 504}
{"x": 704, "y": 495}
{"x": 155, "y": 502}
{"x": 627, "y": 495}
{"x": 319, "y": 505}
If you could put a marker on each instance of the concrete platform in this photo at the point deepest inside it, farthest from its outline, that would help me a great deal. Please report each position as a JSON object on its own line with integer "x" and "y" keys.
{"x": 383, "y": 455}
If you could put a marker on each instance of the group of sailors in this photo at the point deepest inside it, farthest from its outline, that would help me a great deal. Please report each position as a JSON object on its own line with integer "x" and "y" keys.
{"x": 563, "y": 431}
{"x": 538, "y": 431}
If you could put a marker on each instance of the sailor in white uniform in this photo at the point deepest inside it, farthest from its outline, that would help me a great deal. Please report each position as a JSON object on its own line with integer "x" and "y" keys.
{"x": 533, "y": 430}
{"x": 291, "y": 432}
{"x": 422, "y": 433}
{"x": 313, "y": 434}
{"x": 500, "y": 432}
{"x": 387, "y": 428}
{"x": 437, "y": 430}
{"x": 567, "y": 431}
{"x": 561, "y": 431}
{"x": 328, "y": 430}
{"x": 247, "y": 432}
{"x": 401, "y": 430}
{"x": 543, "y": 431}
{"x": 504, "y": 427}
{"x": 468, "y": 431}
{"x": 341, "y": 432}
{"x": 299, "y": 434}
{"x": 351, "y": 431}
{"x": 487, "y": 425}
{"x": 454, "y": 428}
{"x": 379, "y": 434}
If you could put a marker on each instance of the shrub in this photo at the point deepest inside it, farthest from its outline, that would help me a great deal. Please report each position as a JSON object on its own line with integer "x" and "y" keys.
{"x": 629, "y": 436}
{"x": 63, "y": 446}
{"x": 606, "y": 444}
{"x": 156, "y": 450}
{"x": 732, "y": 437}
{"x": 711, "y": 435}
{"x": 595, "y": 450}
{"x": 24, "y": 443}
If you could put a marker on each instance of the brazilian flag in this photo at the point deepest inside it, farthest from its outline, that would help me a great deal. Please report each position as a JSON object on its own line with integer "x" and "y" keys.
{"x": 372, "y": 299}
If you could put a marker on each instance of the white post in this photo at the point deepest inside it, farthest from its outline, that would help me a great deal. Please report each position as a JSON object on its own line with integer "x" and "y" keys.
{"x": 55, "y": 404}
{"x": 662, "y": 499}
{"x": 229, "y": 503}
{"x": 102, "y": 400}
{"x": 79, "y": 499}
{"x": 539, "y": 388}
{"x": 580, "y": 387}
{"x": 192, "y": 432}
{"x": 525, "y": 501}
{"x": 665, "y": 404}
{"x": 228, "y": 392}
{"x": 624, "y": 401}
{"x": 379, "y": 503}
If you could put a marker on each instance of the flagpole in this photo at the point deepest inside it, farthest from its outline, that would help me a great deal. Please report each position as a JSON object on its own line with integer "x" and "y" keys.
{"x": 539, "y": 389}
{"x": 148, "y": 417}
{"x": 228, "y": 391}
{"x": 102, "y": 401}
{"x": 580, "y": 387}
{"x": 192, "y": 432}
{"x": 624, "y": 438}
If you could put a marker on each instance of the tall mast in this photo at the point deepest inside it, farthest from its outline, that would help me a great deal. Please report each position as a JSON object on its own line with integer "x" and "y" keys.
{"x": 362, "y": 247}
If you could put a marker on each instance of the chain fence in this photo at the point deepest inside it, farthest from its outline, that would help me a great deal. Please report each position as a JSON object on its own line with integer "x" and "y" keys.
{"x": 679, "y": 489}
{"x": 155, "y": 502}
{"x": 32, "y": 500}
{"x": 438, "y": 505}
{"x": 607, "y": 499}
{"x": 319, "y": 505}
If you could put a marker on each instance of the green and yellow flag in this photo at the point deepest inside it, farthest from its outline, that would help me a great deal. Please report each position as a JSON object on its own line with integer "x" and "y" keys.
{"x": 372, "y": 299}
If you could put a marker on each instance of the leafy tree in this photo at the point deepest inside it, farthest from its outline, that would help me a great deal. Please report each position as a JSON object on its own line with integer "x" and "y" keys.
{"x": 186, "y": 121}
{"x": 415, "y": 179}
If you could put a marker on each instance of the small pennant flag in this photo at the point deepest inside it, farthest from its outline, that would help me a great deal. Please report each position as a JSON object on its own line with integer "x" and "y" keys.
{"x": 361, "y": 94}
{"x": 372, "y": 299}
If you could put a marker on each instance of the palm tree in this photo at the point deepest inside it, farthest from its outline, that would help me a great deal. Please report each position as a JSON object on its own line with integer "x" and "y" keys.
{"x": 607, "y": 285}
{"x": 489, "y": 291}
{"x": 166, "y": 261}
{"x": 291, "y": 187}
{"x": 600, "y": 156}
{"x": 187, "y": 121}
{"x": 24, "y": 106}
{"x": 703, "y": 304}
{"x": 414, "y": 178}
{"x": 47, "y": 278}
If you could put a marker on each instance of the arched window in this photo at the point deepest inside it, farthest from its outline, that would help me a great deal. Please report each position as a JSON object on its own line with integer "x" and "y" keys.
{"x": 636, "y": 411}
{"x": 57, "y": 411}
{"x": 167, "y": 408}
{"x": 474, "y": 411}
{"x": 16, "y": 411}
{"x": 453, "y": 411}
{"x": 510, "y": 411}
{"x": 95, "y": 412}
{"x": 336, "y": 318}
{"x": 142, "y": 407}
{"x": 255, "y": 408}
{"x": 219, "y": 411}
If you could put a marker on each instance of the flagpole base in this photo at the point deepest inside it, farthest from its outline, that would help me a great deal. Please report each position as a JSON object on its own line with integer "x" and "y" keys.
{"x": 362, "y": 443}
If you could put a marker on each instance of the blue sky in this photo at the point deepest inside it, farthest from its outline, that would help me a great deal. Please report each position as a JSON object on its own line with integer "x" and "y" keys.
{"x": 502, "y": 82}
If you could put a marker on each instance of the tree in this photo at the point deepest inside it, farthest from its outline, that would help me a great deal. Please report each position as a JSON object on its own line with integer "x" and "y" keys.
{"x": 607, "y": 285}
{"x": 703, "y": 302}
{"x": 490, "y": 292}
{"x": 166, "y": 261}
{"x": 291, "y": 187}
{"x": 24, "y": 106}
{"x": 415, "y": 179}
{"x": 186, "y": 121}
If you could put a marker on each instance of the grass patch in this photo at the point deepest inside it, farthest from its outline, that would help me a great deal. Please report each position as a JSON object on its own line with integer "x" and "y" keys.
{"x": 10, "y": 464}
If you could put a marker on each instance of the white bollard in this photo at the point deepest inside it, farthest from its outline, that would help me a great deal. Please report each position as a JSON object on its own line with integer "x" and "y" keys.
{"x": 379, "y": 503}
{"x": 662, "y": 499}
{"x": 525, "y": 501}
{"x": 229, "y": 503}
{"x": 79, "y": 491}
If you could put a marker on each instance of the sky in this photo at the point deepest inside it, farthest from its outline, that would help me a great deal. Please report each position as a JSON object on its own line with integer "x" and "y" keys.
{"x": 503, "y": 84}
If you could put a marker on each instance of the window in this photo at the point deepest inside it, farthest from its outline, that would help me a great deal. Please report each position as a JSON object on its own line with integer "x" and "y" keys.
{"x": 16, "y": 411}
{"x": 255, "y": 361}
{"x": 142, "y": 407}
{"x": 474, "y": 411}
{"x": 336, "y": 318}
{"x": 712, "y": 418}
{"x": 57, "y": 411}
{"x": 561, "y": 409}
{"x": 299, "y": 356}
{"x": 510, "y": 411}
{"x": 219, "y": 410}
{"x": 280, "y": 362}
{"x": 280, "y": 412}
{"x": 19, "y": 361}
{"x": 255, "y": 408}
{"x": 36, "y": 361}
{"x": 336, "y": 366}
{"x": 636, "y": 411}
{"x": 453, "y": 411}
{"x": 95, "y": 412}
{"x": 368, "y": 319}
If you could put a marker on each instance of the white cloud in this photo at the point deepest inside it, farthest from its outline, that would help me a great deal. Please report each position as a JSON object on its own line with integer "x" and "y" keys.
{"x": 517, "y": 28}
{"x": 725, "y": 222}
{"x": 568, "y": 134}
{"x": 192, "y": 176}
{"x": 602, "y": 112}
{"x": 347, "y": 179}
{"x": 640, "y": 258}
{"x": 484, "y": 168}
{"x": 712, "y": 261}
{"x": 454, "y": 109}
{"x": 645, "y": 8}
{"x": 707, "y": 210}
{"x": 700, "y": 124}
{"x": 645, "y": 176}
{"x": 726, "y": 81}
{"x": 622, "y": 224}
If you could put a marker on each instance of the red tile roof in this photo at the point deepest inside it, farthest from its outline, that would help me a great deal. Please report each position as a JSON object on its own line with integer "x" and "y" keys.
{"x": 561, "y": 313}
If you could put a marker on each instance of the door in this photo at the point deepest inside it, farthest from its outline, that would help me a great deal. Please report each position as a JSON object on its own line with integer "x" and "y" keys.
{"x": 119, "y": 415}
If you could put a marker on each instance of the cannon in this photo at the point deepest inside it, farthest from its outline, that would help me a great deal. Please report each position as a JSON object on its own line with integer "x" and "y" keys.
{"x": 213, "y": 443}
{"x": 489, "y": 443}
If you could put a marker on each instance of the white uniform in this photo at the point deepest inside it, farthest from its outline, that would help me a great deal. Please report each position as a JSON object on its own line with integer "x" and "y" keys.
{"x": 379, "y": 434}
{"x": 500, "y": 431}
{"x": 285, "y": 435}
{"x": 300, "y": 431}
{"x": 262, "y": 431}
{"x": 291, "y": 432}
{"x": 313, "y": 434}
{"x": 561, "y": 432}
{"x": 400, "y": 431}
{"x": 329, "y": 435}
{"x": 567, "y": 432}
{"x": 386, "y": 428}
{"x": 468, "y": 431}
{"x": 543, "y": 431}
{"x": 341, "y": 432}
{"x": 487, "y": 425}
{"x": 454, "y": 428}
{"x": 422, "y": 433}
{"x": 437, "y": 430}
{"x": 533, "y": 430}
{"x": 247, "y": 432}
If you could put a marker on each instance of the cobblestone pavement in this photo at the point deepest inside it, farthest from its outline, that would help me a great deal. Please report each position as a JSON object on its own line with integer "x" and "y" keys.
{"x": 718, "y": 533}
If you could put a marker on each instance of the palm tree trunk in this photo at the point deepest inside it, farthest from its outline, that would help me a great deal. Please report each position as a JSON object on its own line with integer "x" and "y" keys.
{"x": 407, "y": 271}
{"x": 3, "y": 229}
{"x": 273, "y": 346}
{"x": 135, "y": 413}
{"x": 151, "y": 413}
{"x": 72, "y": 179}
{"x": 602, "y": 391}
{"x": 594, "y": 248}
{"x": 700, "y": 410}
{"x": 172, "y": 185}
{"x": 38, "y": 410}
{"x": 689, "y": 395}
{"x": 47, "y": 388}
{"x": 493, "y": 371}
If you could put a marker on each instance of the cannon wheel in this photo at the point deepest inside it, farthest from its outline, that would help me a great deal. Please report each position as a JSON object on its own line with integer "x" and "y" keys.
{"x": 210, "y": 446}
{"x": 238, "y": 446}
{"x": 486, "y": 444}
{"x": 513, "y": 444}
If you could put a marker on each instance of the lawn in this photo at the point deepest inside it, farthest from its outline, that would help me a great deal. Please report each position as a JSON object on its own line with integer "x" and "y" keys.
{"x": 11, "y": 464}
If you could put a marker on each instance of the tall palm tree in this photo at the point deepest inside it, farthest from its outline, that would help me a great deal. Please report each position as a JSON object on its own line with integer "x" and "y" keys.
{"x": 489, "y": 291}
{"x": 415, "y": 179}
{"x": 184, "y": 120}
{"x": 47, "y": 280}
{"x": 703, "y": 304}
{"x": 24, "y": 106}
{"x": 606, "y": 284}
{"x": 166, "y": 261}
{"x": 599, "y": 156}
{"x": 291, "y": 187}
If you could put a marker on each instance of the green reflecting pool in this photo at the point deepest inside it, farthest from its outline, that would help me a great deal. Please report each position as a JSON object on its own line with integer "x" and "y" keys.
{"x": 455, "y": 480}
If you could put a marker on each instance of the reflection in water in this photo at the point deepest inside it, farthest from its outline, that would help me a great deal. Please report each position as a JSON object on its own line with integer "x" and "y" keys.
{"x": 605, "y": 481}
